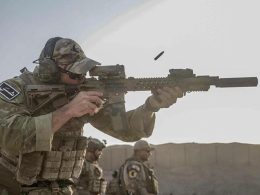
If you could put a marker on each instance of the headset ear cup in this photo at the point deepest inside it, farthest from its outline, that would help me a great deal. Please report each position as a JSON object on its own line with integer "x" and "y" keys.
{"x": 48, "y": 71}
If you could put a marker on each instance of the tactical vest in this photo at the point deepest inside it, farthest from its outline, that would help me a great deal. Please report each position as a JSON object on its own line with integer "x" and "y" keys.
{"x": 91, "y": 179}
{"x": 151, "y": 181}
{"x": 114, "y": 186}
{"x": 66, "y": 158}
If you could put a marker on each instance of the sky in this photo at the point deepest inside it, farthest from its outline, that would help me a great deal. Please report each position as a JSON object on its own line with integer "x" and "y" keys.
{"x": 216, "y": 38}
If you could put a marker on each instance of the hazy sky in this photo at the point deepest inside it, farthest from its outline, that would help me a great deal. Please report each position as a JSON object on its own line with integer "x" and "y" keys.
{"x": 217, "y": 38}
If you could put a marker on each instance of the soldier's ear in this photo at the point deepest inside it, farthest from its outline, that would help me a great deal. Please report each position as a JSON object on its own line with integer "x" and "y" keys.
{"x": 48, "y": 69}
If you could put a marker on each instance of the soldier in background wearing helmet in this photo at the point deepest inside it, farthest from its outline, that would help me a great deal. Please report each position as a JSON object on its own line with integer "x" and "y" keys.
{"x": 91, "y": 181}
{"x": 41, "y": 137}
{"x": 135, "y": 177}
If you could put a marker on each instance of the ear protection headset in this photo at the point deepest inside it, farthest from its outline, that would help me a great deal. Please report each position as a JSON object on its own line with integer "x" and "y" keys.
{"x": 48, "y": 70}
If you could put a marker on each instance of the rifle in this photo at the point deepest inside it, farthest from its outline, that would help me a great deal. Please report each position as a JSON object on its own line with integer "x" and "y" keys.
{"x": 112, "y": 82}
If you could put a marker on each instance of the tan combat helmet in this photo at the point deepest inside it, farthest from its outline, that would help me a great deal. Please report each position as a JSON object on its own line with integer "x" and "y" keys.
{"x": 142, "y": 145}
{"x": 95, "y": 144}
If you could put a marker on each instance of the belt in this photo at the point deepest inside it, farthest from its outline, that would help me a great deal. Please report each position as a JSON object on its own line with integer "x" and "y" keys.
{"x": 54, "y": 186}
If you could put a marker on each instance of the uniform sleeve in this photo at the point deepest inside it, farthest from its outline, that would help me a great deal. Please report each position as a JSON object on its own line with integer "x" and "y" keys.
{"x": 134, "y": 178}
{"x": 140, "y": 122}
{"x": 20, "y": 132}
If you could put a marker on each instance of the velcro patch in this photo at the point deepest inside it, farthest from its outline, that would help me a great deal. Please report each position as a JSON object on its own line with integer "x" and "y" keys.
{"x": 97, "y": 172}
{"x": 132, "y": 174}
{"x": 133, "y": 170}
{"x": 8, "y": 91}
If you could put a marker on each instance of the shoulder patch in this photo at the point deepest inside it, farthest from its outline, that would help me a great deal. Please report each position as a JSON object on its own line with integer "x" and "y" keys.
{"x": 133, "y": 170}
{"x": 132, "y": 174}
{"x": 8, "y": 91}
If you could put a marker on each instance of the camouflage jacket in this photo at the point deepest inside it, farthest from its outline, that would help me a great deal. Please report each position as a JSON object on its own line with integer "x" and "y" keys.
{"x": 137, "y": 178}
{"x": 22, "y": 131}
{"x": 91, "y": 180}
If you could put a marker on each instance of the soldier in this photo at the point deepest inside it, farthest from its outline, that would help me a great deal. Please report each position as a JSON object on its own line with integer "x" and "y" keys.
{"x": 91, "y": 181}
{"x": 41, "y": 137}
{"x": 135, "y": 177}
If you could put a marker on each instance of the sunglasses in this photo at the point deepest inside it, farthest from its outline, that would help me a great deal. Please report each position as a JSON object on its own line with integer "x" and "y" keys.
{"x": 72, "y": 75}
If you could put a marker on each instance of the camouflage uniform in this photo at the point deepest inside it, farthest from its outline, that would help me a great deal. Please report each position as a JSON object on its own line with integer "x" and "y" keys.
{"x": 91, "y": 181}
{"x": 45, "y": 162}
{"x": 137, "y": 178}
{"x": 7, "y": 182}
{"x": 113, "y": 187}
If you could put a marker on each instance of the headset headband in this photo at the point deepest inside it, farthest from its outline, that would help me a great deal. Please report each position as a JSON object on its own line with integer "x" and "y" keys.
{"x": 49, "y": 47}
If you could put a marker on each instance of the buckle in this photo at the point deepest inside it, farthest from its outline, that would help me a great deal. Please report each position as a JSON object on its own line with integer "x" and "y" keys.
{"x": 55, "y": 187}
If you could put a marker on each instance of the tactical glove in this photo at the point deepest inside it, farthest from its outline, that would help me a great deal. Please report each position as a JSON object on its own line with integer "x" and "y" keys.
{"x": 163, "y": 98}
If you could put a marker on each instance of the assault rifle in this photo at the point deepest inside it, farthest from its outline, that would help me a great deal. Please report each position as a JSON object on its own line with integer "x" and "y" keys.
{"x": 112, "y": 81}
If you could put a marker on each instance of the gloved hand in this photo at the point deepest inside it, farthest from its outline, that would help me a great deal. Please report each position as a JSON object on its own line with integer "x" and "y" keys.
{"x": 163, "y": 98}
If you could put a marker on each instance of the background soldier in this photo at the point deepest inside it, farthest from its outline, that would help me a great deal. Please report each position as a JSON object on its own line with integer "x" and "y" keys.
{"x": 42, "y": 136}
{"x": 91, "y": 180}
{"x": 135, "y": 177}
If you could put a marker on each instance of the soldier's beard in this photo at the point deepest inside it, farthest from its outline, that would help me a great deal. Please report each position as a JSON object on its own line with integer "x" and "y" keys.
{"x": 96, "y": 157}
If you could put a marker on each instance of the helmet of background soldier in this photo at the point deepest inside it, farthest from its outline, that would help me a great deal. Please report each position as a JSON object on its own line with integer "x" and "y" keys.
{"x": 62, "y": 51}
{"x": 142, "y": 145}
{"x": 95, "y": 144}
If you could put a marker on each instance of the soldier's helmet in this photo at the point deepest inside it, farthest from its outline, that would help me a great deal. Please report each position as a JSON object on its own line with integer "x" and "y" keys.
{"x": 142, "y": 145}
{"x": 95, "y": 144}
{"x": 63, "y": 51}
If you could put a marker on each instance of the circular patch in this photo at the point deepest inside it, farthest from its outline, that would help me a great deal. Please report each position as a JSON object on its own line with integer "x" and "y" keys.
{"x": 132, "y": 174}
